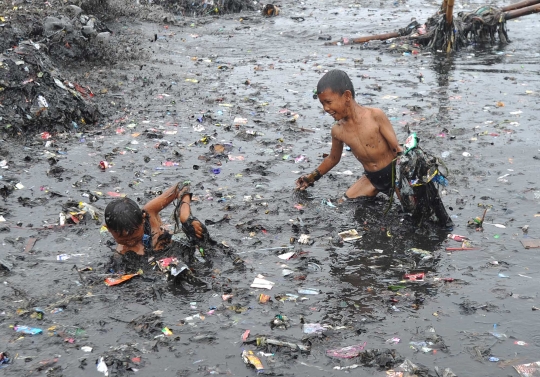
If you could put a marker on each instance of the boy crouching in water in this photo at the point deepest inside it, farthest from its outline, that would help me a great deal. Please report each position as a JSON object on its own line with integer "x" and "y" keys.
{"x": 369, "y": 134}
{"x": 141, "y": 231}
{"x": 367, "y": 131}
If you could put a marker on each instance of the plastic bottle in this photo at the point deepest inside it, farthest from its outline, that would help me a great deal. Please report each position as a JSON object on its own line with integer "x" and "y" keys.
{"x": 411, "y": 142}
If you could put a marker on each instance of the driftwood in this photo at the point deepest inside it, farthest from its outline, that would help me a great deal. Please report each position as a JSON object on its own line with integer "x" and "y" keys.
{"x": 523, "y": 11}
{"x": 445, "y": 32}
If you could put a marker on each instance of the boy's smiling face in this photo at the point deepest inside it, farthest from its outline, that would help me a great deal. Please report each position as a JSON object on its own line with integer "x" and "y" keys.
{"x": 337, "y": 105}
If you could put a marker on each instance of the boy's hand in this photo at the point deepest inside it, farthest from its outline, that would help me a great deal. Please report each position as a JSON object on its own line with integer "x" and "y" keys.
{"x": 198, "y": 229}
{"x": 182, "y": 190}
{"x": 306, "y": 181}
{"x": 303, "y": 183}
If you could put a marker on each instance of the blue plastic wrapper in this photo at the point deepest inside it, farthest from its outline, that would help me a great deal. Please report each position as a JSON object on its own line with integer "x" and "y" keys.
{"x": 28, "y": 330}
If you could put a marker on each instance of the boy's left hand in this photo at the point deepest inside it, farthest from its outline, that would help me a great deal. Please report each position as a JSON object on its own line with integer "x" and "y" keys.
{"x": 198, "y": 229}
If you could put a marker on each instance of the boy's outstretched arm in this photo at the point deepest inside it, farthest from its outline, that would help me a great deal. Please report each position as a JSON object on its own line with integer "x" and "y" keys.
{"x": 156, "y": 205}
{"x": 387, "y": 131}
{"x": 326, "y": 165}
{"x": 181, "y": 192}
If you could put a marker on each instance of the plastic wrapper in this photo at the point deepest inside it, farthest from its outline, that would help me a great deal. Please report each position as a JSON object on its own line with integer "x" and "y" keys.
{"x": 121, "y": 279}
{"x": 250, "y": 359}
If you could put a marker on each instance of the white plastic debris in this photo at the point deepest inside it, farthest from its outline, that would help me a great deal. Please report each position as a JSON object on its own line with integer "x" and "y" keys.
{"x": 260, "y": 282}
{"x": 102, "y": 367}
{"x": 304, "y": 239}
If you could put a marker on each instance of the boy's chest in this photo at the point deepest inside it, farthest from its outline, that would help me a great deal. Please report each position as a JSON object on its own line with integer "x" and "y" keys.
{"x": 357, "y": 135}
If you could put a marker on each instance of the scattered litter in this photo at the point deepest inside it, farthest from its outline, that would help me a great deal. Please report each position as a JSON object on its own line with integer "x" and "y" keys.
{"x": 528, "y": 370}
{"x": 28, "y": 330}
{"x": 102, "y": 367}
{"x": 304, "y": 239}
{"x": 260, "y": 282}
{"x": 287, "y": 256}
{"x": 530, "y": 243}
{"x": 349, "y": 235}
{"x": 4, "y": 264}
{"x": 4, "y": 359}
{"x": 346, "y": 352}
{"x": 311, "y": 328}
{"x": 309, "y": 291}
{"x": 252, "y": 360}
{"x": 457, "y": 237}
{"x": 418, "y": 276}
{"x": 119, "y": 280}
{"x": 238, "y": 121}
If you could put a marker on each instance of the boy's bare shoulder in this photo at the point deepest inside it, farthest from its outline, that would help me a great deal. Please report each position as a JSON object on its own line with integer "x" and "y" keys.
{"x": 335, "y": 131}
{"x": 375, "y": 112}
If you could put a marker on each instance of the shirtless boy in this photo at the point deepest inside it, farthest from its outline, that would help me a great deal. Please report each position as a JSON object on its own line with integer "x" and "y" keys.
{"x": 140, "y": 230}
{"x": 367, "y": 131}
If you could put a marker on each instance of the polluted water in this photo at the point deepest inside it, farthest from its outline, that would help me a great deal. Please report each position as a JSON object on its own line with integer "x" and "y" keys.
{"x": 102, "y": 101}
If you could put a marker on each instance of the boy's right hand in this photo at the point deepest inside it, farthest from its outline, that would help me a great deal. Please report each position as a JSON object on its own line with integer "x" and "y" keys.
{"x": 303, "y": 183}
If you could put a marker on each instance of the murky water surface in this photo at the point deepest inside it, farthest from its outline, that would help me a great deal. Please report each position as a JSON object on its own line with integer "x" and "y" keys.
{"x": 478, "y": 108}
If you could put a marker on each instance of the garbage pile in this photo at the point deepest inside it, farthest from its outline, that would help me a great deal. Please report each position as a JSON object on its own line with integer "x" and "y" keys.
{"x": 480, "y": 25}
{"x": 35, "y": 95}
{"x": 37, "y": 91}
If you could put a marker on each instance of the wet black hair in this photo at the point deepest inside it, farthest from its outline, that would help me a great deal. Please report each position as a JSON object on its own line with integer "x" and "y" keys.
{"x": 123, "y": 216}
{"x": 337, "y": 81}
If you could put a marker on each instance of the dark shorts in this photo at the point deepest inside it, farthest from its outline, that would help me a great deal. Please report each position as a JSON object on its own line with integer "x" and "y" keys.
{"x": 382, "y": 179}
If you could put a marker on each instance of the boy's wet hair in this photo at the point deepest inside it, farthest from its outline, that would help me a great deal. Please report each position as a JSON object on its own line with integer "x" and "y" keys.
{"x": 337, "y": 81}
{"x": 123, "y": 216}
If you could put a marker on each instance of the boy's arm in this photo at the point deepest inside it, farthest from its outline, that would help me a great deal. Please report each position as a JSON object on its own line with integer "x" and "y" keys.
{"x": 326, "y": 165}
{"x": 155, "y": 205}
{"x": 387, "y": 131}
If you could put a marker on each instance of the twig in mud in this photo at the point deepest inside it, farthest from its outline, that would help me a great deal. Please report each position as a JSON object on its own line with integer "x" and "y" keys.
{"x": 83, "y": 281}
{"x": 119, "y": 320}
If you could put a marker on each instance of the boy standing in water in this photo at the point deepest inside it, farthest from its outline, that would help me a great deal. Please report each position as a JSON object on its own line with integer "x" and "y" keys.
{"x": 369, "y": 134}
{"x": 367, "y": 131}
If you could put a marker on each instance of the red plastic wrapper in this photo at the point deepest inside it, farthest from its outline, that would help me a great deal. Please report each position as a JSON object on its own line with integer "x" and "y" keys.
{"x": 164, "y": 263}
{"x": 457, "y": 237}
{"x": 103, "y": 165}
{"x": 419, "y": 276}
